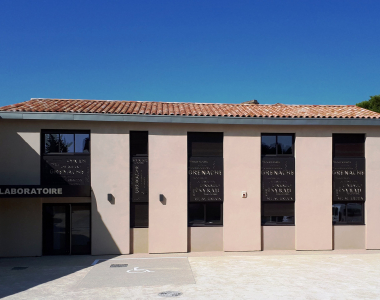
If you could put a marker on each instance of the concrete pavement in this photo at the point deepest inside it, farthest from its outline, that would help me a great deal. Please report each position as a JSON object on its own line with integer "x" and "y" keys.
{"x": 208, "y": 275}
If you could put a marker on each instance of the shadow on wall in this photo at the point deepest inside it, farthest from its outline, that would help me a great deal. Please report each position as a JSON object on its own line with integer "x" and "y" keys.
{"x": 20, "y": 219}
{"x": 102, "y": 242}
{"x": 36, "y": 271}
{"x": 20, "y": 165}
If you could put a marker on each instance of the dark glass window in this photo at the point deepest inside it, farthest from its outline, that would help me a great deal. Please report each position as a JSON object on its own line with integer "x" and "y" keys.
{"x": 348, "y": 213}
{"x": 277, "y": 213}
{"x": 214, "y": 213}
{"x": 196, "y": 213}
{"x": 205, "y": 144}
{"x": 80, "y": 229}
{"x": 201, "y": 214}
{"x": 139, "y": 175}
{"x": 277, "y": 144}
{"x": 51, "y": 143}
{"x": 139, "y": 214}
{"x": 348, "y": 145}
{"x": 66, "y": 141}
{"x": 66, "y": 228}
{"x": 268, "y": 145}
{"x": 82, "y": 143}
{"x": 139, "y": 143}
{"x": 285, "y": 144}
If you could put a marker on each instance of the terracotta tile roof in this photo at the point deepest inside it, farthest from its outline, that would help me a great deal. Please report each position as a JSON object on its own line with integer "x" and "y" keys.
{"x": 190, "y": 109}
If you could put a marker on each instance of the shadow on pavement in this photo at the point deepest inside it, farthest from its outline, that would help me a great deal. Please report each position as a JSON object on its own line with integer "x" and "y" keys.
{"x": 41, "y": 270}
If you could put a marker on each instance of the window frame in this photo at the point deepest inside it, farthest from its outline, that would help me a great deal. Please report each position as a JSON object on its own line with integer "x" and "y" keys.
{"x": 190, "y": 135}
{"x": 346, "y": 134}
{"x": 346, "y": 223}
{"x": 334, "y": 156}
{"x": 132, "y": 204}
{"x": 62, "y": 154}
{"x": 278, "y": 223}
{"x": 204, "y": 223}
{"x": 277, "y": 155}
{"x": 64, "y": 131}
{"x": 277, "y": 135}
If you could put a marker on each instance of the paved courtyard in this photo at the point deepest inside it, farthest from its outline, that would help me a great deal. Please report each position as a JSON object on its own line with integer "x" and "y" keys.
{"x": 256, "y": 275}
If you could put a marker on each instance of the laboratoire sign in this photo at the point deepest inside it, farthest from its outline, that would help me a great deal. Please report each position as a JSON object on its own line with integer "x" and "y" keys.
{"x": 139, "y": 179}
{"x": 277, "y": 179}
{"x": 205, "y": 179}
{"x": 40, "y": 191}
{"x": 349, "y": 179}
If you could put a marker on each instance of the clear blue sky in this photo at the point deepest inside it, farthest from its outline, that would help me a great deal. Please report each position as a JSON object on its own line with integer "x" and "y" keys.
{"x": 292, "y": 52}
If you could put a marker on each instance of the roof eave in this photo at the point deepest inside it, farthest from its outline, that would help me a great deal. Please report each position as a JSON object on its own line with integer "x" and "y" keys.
{"x": 186, "y": 119}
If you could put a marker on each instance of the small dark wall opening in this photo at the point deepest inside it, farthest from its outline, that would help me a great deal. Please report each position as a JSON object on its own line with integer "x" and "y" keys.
{"x": 66, "y": 229}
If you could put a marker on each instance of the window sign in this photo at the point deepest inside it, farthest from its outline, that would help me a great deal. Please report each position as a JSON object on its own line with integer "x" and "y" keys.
{"x": 277, "y": 179}
{"x": 349, "y": 179}
{"x": 205, "y": 179}
{"x": 139, "y": 179}
{"x": 43, "y": 191}
{"x": 66, "y": 170}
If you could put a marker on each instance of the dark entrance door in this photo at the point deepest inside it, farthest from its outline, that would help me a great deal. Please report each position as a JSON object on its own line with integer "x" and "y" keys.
{"x": 66, "y": 229}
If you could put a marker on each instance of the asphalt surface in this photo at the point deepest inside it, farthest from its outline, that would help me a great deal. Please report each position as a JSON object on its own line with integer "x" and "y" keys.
{"x": 207, "y": 275}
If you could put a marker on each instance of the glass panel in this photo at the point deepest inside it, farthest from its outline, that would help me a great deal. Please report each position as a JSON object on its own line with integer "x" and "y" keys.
{"x": 349, "y": 150}
{"x": 268, "y": 145}
{"x": 56, "y": 239}
{"x": 196, "y": 213}
{"x": 66, "y": 143}
{"x": 214, "y": 213}
{"x": 348, "y": 145}
{"x": 51, "y": 143}
{"x": 339, "y": 213}
{"x": 82, "y": 143}
{"x": 355, "y": 213}
{"x": 139, "y": 143}
{"x": 80, "y": 229}
{"x": 59, "y": 227}
{"x": 277, "y": 212}
{"x": 139, "y": 215}
{"x": 205, "y": 144}
{"x": 284, "y": 144}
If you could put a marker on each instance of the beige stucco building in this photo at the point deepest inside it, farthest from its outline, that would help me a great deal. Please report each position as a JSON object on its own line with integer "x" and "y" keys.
{"x": 72, "y": 177}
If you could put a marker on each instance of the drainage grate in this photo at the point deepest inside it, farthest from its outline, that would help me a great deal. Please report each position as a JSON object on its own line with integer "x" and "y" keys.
{"x": 19, "y": 268}
{"x": 118, "y": 265}
{"x": 170, "y": 294}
